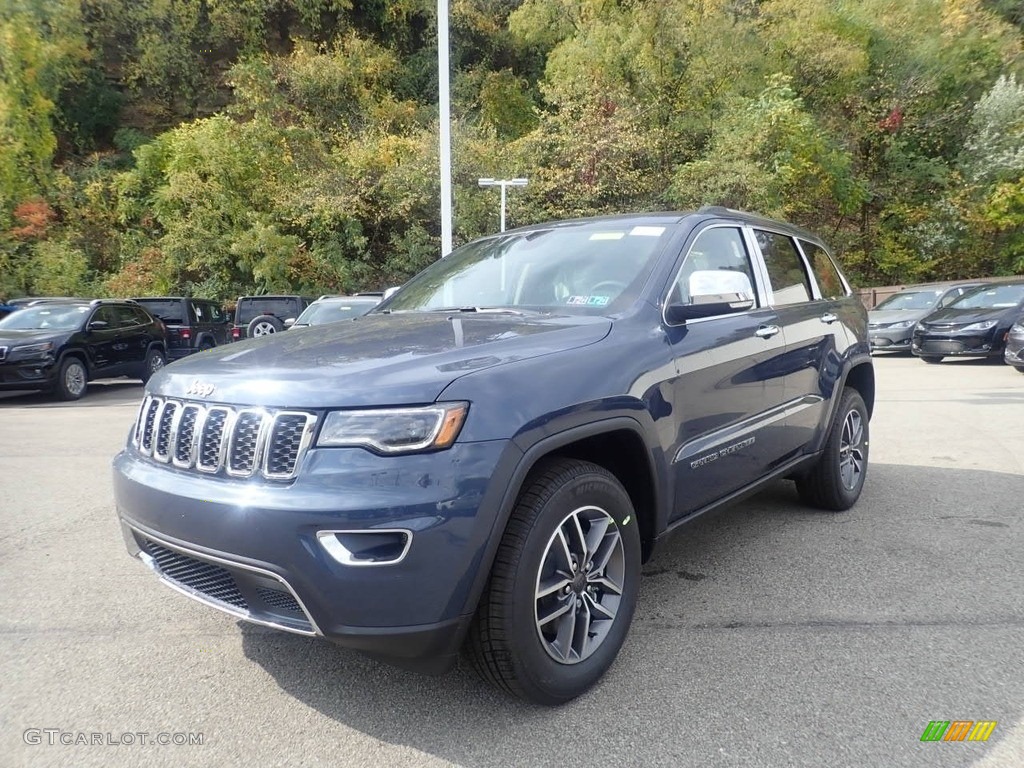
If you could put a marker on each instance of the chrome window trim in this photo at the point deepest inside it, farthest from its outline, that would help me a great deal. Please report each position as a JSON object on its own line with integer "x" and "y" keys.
{"x": 800, "y": 242}
{"x": 812, "y": 281}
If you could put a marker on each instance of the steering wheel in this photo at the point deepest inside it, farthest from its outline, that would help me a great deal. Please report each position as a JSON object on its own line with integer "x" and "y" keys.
{"x": 604, "y": 285}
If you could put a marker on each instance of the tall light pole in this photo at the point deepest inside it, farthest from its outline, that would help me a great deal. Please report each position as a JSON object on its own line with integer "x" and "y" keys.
{"x": 503, "y": 183}
{"x": 444, "y": 109}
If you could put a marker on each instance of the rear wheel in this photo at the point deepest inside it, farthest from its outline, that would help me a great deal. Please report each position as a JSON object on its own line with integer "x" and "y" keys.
{"x": 72, "y": 379}
{"x": 563, "y": 588}
{"x": 835, "y": 482}
{"x": 931, "y": 359}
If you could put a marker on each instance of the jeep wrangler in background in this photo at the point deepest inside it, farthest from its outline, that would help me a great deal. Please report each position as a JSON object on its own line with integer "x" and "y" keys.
{"x": 193, "y": 325}
{"x": 257, "y": 316}
{"x": 486, "y": 458}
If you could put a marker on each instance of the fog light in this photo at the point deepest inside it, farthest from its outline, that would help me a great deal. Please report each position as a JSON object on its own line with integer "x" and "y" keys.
{"x": 368, "y": 546}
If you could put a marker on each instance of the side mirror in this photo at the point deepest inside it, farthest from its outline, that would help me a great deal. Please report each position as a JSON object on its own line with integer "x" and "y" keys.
{"x": 391, "y": 292}
{"x": 98, "y": 325}
{"x": 289, "y": 322}
{"x": 713, "y": 292}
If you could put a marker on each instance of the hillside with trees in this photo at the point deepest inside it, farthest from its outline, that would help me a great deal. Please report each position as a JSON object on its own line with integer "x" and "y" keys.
{"x": 219, "y": 147}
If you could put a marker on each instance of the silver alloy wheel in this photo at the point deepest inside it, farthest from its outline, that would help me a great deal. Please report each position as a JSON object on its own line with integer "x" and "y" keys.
{"x": 156, "y": 362}
{"x": 851, "y": 450}
{"x": 74, "y": 379}
{"x": 263, "y": 329}
{"x": 579, "y": 585}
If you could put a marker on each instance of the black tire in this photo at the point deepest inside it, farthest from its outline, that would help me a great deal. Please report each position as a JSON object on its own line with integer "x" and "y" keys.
{"x": 836, "y": 480}
{"x": 206, "y": 344}
{"x": 155, "y": 360}
{"x": 72, "y": 379}
{"x": 507, "y": 644}
{"x": 264, "y": 325}
{"x": 931, "y": 359}
{"x": 1019, "y": 368}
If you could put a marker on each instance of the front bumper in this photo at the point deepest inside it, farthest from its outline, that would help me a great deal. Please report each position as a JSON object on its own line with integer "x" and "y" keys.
{"x": 890, "y": 339}
{"x": 31, "y": 374}
{"x": 250, "y": 547}
{"x": 983, "y": 344}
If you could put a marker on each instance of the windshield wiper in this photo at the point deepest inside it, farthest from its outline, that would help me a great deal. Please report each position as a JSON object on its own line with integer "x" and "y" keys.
{"x": 484, "y": 310}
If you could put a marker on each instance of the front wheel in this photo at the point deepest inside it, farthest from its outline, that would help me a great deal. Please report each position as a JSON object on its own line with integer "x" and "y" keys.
{"x": 72, "y": 379}
{"x": 835, "y": 482}
{"x": 563, "y": 588}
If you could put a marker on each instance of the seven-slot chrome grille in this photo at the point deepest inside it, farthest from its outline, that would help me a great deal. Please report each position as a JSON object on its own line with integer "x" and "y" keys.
{"x": 240, "y": 442}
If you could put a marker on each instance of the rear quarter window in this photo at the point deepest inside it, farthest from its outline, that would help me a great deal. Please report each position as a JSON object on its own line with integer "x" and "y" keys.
{"x": 825, "y": 272}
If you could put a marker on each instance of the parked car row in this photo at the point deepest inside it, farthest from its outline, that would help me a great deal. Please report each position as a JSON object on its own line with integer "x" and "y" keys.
{"x": 983, "y": 320}
{"x": 59, "y": 343}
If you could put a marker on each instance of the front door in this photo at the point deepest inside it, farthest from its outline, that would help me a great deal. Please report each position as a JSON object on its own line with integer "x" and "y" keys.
{"x": 727, "y": 392}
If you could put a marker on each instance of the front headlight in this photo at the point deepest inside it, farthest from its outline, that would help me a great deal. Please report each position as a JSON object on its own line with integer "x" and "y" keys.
{"x": 30, "y": 351}
{"x": 903, "y": 324}
{"x": 984, "y": 325}
{"x": 395, "y": 430}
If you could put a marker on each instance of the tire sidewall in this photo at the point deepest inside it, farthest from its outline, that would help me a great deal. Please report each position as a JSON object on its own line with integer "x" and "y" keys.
{"x": 270, "y": 320}
{"x": 147, "y": 371}
{"x": 851, "y": 401}
{"x": 553, "y": 680}
{"x": 61, "y": 388}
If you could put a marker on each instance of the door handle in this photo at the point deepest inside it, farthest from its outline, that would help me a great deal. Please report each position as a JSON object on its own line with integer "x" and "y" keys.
{"x": 828, "y": 318}
{"x": 767, "y": 331}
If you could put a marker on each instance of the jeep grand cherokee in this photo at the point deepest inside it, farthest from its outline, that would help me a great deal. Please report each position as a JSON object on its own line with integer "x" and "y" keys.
{"x": 487, "y": 458}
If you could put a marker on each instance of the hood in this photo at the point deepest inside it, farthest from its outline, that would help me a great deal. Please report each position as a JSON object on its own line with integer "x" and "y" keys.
{"x": 375, "y": 359}
{"x": 886, "y": 316}
{"x": 966, "y": 316}
{"x": 12, "y": 337}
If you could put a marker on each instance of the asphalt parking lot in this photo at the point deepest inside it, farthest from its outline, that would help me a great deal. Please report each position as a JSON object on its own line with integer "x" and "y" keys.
{"x": 767, "y": 635}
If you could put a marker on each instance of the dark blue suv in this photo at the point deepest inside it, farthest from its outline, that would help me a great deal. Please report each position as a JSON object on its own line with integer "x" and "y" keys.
{"x": 486, "y": 459}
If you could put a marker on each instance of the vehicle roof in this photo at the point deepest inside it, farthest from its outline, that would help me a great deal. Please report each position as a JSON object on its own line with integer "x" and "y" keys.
{"x": 706, "y": 213}
{"x": 339, "y": 299}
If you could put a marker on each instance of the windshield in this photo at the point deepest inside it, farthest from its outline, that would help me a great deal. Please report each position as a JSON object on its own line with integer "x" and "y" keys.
{"x": 912, "y": 300}
{"x": 999, "y": 297}
{"x": 59, "y": 317}
{"x": 169, "y": 311}
{"x": 593, "y": 267}
{"x": 331, "y": 311}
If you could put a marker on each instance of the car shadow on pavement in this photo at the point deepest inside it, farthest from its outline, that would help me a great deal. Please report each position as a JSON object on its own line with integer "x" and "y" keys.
{"x": 728, "y": 606}
{"x": 99, "y": 393}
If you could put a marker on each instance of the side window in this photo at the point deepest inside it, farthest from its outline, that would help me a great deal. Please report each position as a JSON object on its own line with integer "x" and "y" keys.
{"x": 213, "y": 313}
{"x": 785, "y": 268}
{"x": 126, "y": 317}
{"x": 716, "y": 251}
{"x": 105, "y": 315}
{"x": 829, "y": 281}
{"x": 200, "y": 312}
{"x": 141, "y": 316}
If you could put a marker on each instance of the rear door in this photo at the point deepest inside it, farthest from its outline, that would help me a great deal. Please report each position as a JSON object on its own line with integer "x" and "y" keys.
{"x": 726, "y": 392}
{"x": 814, "y": 314}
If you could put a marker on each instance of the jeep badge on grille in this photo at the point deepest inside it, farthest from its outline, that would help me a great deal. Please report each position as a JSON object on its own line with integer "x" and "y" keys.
{"x": 200, "y": 389}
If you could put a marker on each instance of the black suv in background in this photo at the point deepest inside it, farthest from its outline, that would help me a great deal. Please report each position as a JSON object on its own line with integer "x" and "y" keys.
{"x": 257, "y": 316}
{"x": 60, "y": 346}
{"x": 489, "y": 455}
{"x": 192, "y": 324}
